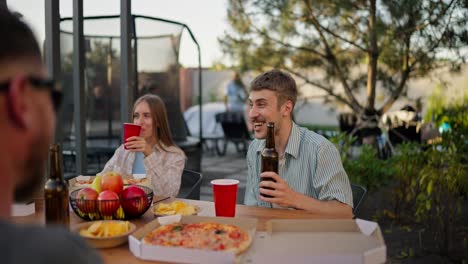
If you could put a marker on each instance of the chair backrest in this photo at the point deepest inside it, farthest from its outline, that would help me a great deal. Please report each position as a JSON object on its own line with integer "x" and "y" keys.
{"x": 190, "y": 185}
{"x": 233, "y": 124}
{"x": 359, "y": 193}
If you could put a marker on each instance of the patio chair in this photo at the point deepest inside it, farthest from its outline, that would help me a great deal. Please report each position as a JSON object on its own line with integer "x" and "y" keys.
{"x": 190, "y": 185}
{"x": 359, "y": 193}
{"x": 235, "y": 131}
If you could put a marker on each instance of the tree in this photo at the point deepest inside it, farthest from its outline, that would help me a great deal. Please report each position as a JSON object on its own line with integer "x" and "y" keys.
{"x": 396, "y": 39}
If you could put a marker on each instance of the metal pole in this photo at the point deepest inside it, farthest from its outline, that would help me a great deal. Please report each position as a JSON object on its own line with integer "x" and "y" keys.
{"x": 126, "y": 92}
{"x": 136, "y": 93}
{"x": 109, "y": 89}
{"x": 52, "y": 50}
{"x": 3, "y": 4}
{"x": 78, "y": 88}
{"x": 52, "y": 40}
{"x": 200, "y": 98}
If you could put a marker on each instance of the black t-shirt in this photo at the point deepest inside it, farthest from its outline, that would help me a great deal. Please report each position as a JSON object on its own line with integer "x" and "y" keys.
{"x": 34, "y": 244}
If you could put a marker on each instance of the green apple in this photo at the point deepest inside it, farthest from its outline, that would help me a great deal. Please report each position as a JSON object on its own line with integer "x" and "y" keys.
{"x": 97, "y": 183}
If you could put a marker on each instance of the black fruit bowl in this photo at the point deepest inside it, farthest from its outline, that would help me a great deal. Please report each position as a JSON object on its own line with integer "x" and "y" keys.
{"x": 91, "y": 210}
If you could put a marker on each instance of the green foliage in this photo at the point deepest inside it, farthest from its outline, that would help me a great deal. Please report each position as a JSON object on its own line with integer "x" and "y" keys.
{"x": 442, "y": 182}
{"x": 368, "y": 170}
{"x": 343, "y": 143}
{"x": 430, "y": 184}
{"x": 365, "y": 169}
{"x": 407, "y": 163}
{"x": 436, "y": 102}
{"x": 455, "y": 114}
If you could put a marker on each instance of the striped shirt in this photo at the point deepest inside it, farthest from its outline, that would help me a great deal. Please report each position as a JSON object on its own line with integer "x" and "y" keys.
{"x": 311, "y": 166}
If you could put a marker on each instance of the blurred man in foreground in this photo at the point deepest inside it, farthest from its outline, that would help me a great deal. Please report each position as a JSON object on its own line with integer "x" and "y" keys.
{"x": 28, "y": 100}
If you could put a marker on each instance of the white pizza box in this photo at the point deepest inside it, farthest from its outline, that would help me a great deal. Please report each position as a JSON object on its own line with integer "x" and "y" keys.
{"x": 185, "y": 255}
{"x": 318, "y": 241}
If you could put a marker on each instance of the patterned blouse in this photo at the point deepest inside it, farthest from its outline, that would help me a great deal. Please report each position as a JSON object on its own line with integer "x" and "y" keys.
{"x": 163, "y": 168}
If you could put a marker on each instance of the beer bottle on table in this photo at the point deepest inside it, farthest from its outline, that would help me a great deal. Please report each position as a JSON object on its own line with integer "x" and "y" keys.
{"x": 56, "y": 191}
{"x": 269, "y": 154}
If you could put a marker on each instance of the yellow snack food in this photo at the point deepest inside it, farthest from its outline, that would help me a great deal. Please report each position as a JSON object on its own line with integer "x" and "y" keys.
{"x": 176, "y": 207}
{"x": 106, "y": 229}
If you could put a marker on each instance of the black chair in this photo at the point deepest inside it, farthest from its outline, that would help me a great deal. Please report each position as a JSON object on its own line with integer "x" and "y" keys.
{"x": 359, "y": 193}
{"x": 235, "y": 130}
{"x": 190, "y": 185}
{"x": 347, "y": 122}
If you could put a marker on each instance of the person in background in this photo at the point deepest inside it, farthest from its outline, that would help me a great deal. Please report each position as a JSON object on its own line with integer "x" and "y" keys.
{"x": 153, "y": 152}
{"x": 311, "y": 176}
{"x": 27, "y": 122}
{"x": 235, "y": 95}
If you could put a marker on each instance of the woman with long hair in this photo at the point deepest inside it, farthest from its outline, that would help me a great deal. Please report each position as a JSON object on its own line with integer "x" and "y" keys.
{"x": 153, "y": 152}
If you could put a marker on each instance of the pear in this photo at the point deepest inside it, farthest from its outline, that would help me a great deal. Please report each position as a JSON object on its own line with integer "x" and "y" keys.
{"x": 96, "y": 185}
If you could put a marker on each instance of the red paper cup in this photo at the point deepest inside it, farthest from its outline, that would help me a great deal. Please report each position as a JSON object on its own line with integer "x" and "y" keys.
{"x": 225, "y": 196}
{"x": 131, "y": 130}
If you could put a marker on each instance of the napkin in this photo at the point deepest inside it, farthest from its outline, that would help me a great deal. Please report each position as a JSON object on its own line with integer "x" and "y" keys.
{"x": 23, "y": 209}
{"x": 366, "y": 227}
{"x": 165, "y": 220}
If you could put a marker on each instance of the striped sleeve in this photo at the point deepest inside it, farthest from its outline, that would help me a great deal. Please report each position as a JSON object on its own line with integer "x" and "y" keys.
{"x": 250, "y": 197}
{"x": 331, "y": 181}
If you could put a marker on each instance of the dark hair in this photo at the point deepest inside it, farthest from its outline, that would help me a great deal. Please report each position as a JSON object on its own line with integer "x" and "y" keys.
{"x": 17, "y": 39}
{"x": 158, "y": 111}
{"x": 277, "y": 81}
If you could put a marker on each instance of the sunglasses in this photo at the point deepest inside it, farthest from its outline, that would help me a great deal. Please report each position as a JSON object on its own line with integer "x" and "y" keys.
{"x": 41, "y": 84}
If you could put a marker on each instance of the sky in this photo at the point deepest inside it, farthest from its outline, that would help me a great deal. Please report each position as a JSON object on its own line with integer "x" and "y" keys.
{"x": 206, "y": 18}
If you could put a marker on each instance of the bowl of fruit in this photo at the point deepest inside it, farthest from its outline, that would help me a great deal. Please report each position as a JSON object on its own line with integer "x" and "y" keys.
{"x": 107, "y": 198}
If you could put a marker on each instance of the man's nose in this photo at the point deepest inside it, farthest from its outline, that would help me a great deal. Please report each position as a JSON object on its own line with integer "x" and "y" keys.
{"x": 252, "y": 112}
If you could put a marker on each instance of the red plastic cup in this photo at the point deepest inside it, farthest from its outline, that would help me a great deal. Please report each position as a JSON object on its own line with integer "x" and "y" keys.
{"x": 225, "y": 196}
{"x": 131, "y": 130}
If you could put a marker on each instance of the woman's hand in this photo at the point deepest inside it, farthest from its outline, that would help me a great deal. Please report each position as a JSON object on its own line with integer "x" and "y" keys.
{"x": 138, "y": 144}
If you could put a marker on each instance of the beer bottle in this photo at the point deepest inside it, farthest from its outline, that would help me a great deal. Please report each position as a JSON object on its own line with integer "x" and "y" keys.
{"x": 269, "y": 154}
{"x": 56, "y": 191}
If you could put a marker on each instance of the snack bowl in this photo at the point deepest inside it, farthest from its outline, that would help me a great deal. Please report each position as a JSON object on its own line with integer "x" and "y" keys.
{"x": 104, "y": 241}
{"x": 175, "y": 207}
{"x": 120, "y": 209}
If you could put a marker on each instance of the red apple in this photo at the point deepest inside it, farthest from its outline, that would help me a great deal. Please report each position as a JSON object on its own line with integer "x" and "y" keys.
{"x": 86, "y": 200}
{"x": 112, "y": 181}
{"x": 134, "y": 201}
{"x": 108, "y": 202}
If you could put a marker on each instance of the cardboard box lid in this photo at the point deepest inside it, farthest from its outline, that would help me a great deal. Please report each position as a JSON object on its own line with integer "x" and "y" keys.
{"x": 321, "y": 241}
{"x": 185, "y": 255}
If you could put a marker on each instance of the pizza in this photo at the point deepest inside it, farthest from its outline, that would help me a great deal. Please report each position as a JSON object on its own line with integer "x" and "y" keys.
{"x": 208, "y": 236}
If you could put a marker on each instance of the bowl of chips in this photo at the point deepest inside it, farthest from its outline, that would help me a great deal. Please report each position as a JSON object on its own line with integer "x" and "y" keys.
{"x": 105, "y": 233}
{"x": 175, "y": 207}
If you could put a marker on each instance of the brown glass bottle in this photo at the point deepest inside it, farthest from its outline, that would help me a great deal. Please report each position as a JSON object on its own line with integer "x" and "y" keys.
{"x": 269, "y": 154}
{"x": 57, "y": 211}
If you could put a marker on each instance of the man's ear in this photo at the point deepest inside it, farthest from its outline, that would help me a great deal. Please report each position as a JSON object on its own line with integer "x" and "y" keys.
{"x": 288, "y": 107}
{"x": 16, "y": 102}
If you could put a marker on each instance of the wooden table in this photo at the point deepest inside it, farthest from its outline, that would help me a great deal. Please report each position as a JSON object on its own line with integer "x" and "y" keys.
{"x": 123, "y": 255}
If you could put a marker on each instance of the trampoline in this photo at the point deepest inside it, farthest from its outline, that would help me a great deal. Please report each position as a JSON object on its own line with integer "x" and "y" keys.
{"x": 155, "y": 46}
